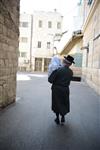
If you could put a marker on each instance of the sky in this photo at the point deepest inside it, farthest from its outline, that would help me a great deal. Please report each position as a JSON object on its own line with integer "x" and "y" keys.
{"x": 68, "y": 8}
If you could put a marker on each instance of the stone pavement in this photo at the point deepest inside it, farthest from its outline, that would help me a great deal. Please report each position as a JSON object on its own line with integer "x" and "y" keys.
{"x": 29, "y": 124}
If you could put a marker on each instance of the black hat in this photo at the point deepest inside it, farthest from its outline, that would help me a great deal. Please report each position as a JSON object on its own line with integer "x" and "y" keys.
{"x": 69, "y": 59}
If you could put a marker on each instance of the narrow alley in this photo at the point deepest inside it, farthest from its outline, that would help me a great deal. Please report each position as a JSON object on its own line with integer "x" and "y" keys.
{"x": 29, "y": 123}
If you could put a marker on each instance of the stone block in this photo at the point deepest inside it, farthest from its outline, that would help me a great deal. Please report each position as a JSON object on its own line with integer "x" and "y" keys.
{"x": 1, "y": 19}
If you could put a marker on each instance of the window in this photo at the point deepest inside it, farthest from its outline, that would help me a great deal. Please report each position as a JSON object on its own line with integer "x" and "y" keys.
{"x": 23, "y": 39}
{"x": 40, "y": 23}
{"x": 24, "y": 24}
{"x": 23, "y": 54}
{"x": 26, "y": 61}
{"x": 49, "y": 24}
{"x": 39, "y": 44}
{"x": 90, "y": 2}
{"x": 58, "y": 25}
{"x": 48, "y": 45}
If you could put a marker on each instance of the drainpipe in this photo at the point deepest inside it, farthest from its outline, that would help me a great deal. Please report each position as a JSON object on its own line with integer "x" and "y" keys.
{"x": 31, "y": 36}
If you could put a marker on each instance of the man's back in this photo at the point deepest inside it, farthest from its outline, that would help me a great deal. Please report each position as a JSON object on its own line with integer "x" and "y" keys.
{"x": 61, "y": 76}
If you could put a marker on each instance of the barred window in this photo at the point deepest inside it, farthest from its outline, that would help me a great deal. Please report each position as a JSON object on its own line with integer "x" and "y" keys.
{"x": 39, "y": 44}
{"x": 23, "y": 54}
{"x": 23, "y": 39}
{"x": 24, "y": 24}
{"x": 49, "y": 24}
{"x": 58, "y": 25}
{"x": 48, "y": 45}
{"x": 40, "y": 23}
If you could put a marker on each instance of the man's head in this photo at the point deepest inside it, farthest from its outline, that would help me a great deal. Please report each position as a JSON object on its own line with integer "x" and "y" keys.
{"x": 68, "y": 60}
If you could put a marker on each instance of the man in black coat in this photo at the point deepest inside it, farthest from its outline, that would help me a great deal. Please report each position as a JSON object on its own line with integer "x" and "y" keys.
{"x": 60, "y": 80}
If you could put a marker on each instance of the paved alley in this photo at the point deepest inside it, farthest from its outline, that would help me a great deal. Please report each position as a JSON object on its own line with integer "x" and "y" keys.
{"x": 29, "y": 123}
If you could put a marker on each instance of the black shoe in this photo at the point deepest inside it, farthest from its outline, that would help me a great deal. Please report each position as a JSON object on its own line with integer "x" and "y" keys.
{"x": 62, "y": 119}
{"x": 57, "y": 121}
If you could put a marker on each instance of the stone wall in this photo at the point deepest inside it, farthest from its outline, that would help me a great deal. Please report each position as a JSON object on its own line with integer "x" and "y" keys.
{"x": 9, "y": 33}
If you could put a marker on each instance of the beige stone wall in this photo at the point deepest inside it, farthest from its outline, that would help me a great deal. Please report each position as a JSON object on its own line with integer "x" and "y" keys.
{"x": 92, "y": 77}
{"x": 91, "y": 60}
{"x": 9, "y": 33}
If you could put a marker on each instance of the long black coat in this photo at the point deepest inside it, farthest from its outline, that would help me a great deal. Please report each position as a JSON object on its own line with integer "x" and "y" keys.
{"x": 60, "y": 80}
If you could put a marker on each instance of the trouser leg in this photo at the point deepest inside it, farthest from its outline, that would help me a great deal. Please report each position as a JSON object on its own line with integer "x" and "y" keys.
{"x": 57, "y": 118}
{"x": 62, "y": 118}
{"x": 57, "y": 115}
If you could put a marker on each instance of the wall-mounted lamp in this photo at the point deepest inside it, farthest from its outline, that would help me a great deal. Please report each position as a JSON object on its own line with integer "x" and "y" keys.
{"x": 85, "y": 47}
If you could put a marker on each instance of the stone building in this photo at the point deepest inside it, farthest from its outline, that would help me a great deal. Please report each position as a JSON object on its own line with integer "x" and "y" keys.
{"x": 38, "y": 32}
{"x": 47, "y": 26}
{"x": 91, "y": 44}
{"x": 25, "y": 42}
{"x": 9, "y": 33}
